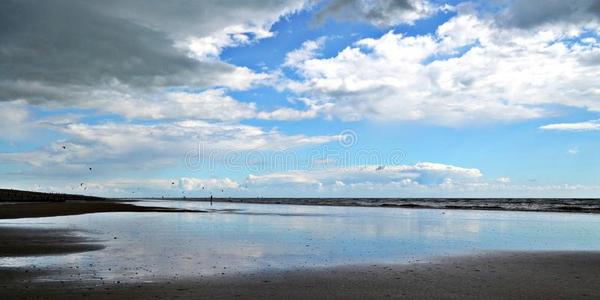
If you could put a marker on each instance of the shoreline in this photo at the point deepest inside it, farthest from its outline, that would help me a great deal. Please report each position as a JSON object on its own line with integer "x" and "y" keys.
{"x": 500, "y": 275}
{"x": 564, "y": 205}
{"x": 558, "y": 205}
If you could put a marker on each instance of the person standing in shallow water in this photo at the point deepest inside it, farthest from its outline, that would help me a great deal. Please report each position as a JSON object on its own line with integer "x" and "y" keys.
{"x": 210, "y": 200}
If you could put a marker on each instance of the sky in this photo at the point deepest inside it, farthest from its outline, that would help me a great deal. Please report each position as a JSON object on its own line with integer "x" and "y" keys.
{"x": 301, "y": 98}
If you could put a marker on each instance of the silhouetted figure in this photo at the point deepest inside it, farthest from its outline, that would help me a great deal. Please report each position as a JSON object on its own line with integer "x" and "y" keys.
{"x": 210, "y": 200}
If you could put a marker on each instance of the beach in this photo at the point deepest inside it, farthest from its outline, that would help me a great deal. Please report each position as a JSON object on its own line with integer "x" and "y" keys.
{"x": 554, "y": 275}
{"x": 190, "y": 250}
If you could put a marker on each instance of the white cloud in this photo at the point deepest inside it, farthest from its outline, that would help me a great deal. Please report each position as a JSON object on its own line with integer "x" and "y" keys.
{"x": 419, "y": 180}
{"x": 469, "y": 71}
{"x": 312, "y": 110}
{"x": 307, "y": 51}
{"x": 111, "y": 146}
{"x": 282, "y": 184}
{"x": 211, "y": 104}
{"x": 425, "y": 174}
{"x": 573, "y": 151}
{"x": 132, "y": 187}
{"x": 580, "y": 126}
{"x": 503, "y": 180}
{"x": 14, "y": 120}
{"x": 191, "y": 184}
{"x": 210, "y": 47}
{"x": 185, "y": 183}
{"x": 288, "y": 114}
{"x": 130, "y": 183}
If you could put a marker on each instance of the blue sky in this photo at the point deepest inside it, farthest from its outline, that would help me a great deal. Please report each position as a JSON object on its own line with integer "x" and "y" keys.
{"x": 381, "y": 98}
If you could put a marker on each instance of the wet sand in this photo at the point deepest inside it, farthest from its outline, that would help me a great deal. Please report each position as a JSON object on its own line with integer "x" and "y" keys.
{"x": 519, "y": 275}
{"x": 51, "y": 209}
{"x": 22, "y": 241}
{"x": 17, "y": 241}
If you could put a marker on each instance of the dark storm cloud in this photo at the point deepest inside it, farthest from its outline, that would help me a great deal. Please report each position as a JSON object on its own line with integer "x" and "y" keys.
{"x": 66, "y": 50}
{"x": 45, "y": 46}
{"x": 378, "y": 12}
{"x": 531, "y": 13}
{"x": 199, "y": 17}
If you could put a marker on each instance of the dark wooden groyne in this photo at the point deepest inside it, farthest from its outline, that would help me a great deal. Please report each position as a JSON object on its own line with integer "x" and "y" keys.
{"x": 10, "y": 195}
